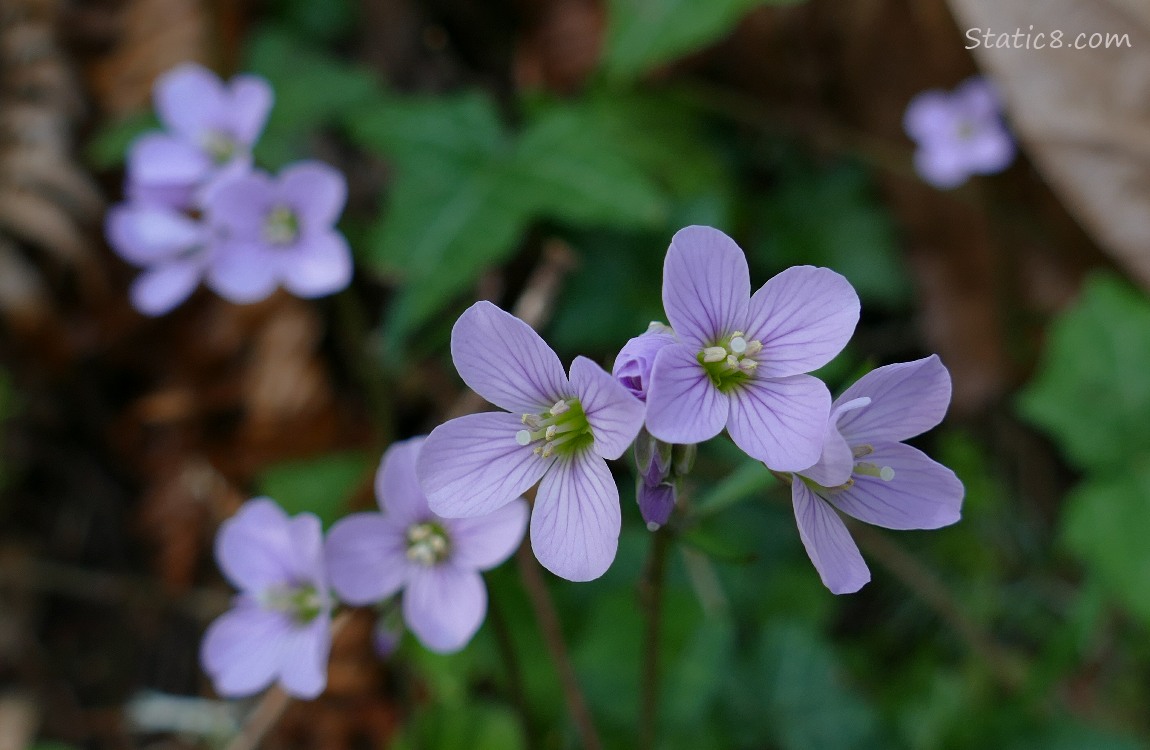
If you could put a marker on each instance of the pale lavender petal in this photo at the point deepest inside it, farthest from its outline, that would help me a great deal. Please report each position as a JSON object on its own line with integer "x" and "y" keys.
{"x": 977, "y": 98}
{"x": 444, "y": 606}
{"x": 317, "y": 266}
{"x": 656, "y": 502}
{"x": 614, "y": 414}
{"x": 366, "y": 558}
{"x": 239, "y": 167}
{"x": 315, "y": 191}
{"x": 305, "y": 533}
{"x": 502, "y": 359}
{"x": 803, "y": 316}
{"x": 190, "y": 100}
{"x": 683, "y": 405}
{"x": 482, "y": 542}
{"x": 240, "y": 207}
{"x": 576, "y": 521}
{"x": 159, "y": 159}
{"x": 706, "y": 285}
{"x": 397, "y": 488}
{"x": 303, "y": 659}
{"x": 834, "y": 465}
{"x": 828, "y": 543}
{"x": 636, "y": 359}
{"x": 906, "y": 399}
{"x": 146, "y": 234}
{"x": 250, "y": 102}
{"x": 162, "y": 288}
{"x": 923, "y": 494}
{"x": 255, "y": 548}
{"x": 781, "y": 422}
{"x": 242, "y": 273}
{"x": 929, "y": 116}
{"x": 241, "y": 649}
{"x": 471, "y": 465}
{"x": 991, "y": 150}
{"x": 942, "y": 165}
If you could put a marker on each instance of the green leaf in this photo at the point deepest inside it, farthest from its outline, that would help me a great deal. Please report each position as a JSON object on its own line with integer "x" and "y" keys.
{"x": 108, "y": 148}
{"x": 1091, "y": 392}
{"x": 473, "y": 726}
{"x": 320, "y": 485}
{"x": 1069, "y": 734}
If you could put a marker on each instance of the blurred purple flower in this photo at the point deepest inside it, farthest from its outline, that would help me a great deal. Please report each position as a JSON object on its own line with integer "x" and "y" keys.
{"x": 279, "y": 231}
{"x": 560, "y": 431}
{"x": 210, "y": 130}
{"x": 433, "y": 560}
{"x": 741, "y": 360}
{"x": 959, "y": 133}
{"x": 634, "y": 362}
{"x": 279, "y": 625}
{"x": 868, "y": 473}
{"x": 171, "y": 247}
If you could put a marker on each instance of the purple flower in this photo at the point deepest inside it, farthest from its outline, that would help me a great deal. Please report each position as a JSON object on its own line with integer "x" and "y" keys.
{"x": 171, "y": 247}
{"x": 868, "y": 473}
{"x": 433, "y": 560}
{"x": 280, "y": 231}
{"x": 279, "y": 626}
{"x": 741, "y": 359}
{"x": 210, "y": 130}
{"x": 634, "y": 362}
{"x": 958, "y": 133}
{"x": 560, "y": 431}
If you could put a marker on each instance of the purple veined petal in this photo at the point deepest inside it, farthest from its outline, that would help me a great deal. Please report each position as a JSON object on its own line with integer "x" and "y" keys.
{"x": 317, "y": 266}
{"x": 781, "y": 422}
{"x": 190, "y": 100}
{"x": 250, "y": 100}
{"x": 241, "y": 649}
{"x": 803, "y": 316}
{"x": 240, "y": 206}
{"x": 635, "y": 360}
{"x": 163, "y": 160}
{"x": 656, "y": 502}
{"x": 242, "y": 273}
{"x": 828, "y": 543}
{"x": 315, "y": 191}
{"x": 991, "y": 150}
{"x": 303, "y": 658}
{"x": 366, "y": 556}
{"x": 576, "y": 521}
{"x": 929, "y": 116}
{"x": 472, "y": 465}
{"x": 444, "y": 606}
{"x": 906, "y": 399}
{"x": 255, "y": 547}
{"x": 147, "y": 234}
{"x": 706, "y": 285}
{"x": 162, "y": 288}
{"x": 614, "y": 414}
{"x": 482, "y": 542}
{"x": 922, "y": 494}
{"x": 397, "y": 488}
{"x": 977, "y": 97}
{"x": 305, "y": 533}
{"x": 502, "y": 359}
{"x": 836, "y": 462}
{"x": 683, "y": 405}
{"x": 942, "y": 165}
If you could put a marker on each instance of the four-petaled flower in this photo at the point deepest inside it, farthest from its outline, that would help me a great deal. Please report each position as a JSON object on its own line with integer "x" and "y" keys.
{"x": 741, "y": 359}
{"x": 280, "y": 624}
{"x": 560, "y": 431}
{"x": 868, "y": 473}
{"x": 434, "y": 561}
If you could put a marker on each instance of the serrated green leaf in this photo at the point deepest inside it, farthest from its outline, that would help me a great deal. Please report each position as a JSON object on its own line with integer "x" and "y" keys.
{"x": 320, "y": 485}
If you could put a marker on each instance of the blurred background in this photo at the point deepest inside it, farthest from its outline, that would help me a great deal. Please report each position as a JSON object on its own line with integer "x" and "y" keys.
{"x": 541, "y": 153}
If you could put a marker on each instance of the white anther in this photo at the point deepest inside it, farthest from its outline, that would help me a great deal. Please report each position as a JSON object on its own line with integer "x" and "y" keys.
{"x": 560, "y": 407}
{"x": 550, "y": 432}
{"x": 886, "y": 473}
{"x": 738, "y": 345}
{"x": 862, "y": 450}
{"x": 748, "y": 366}
{"x": 738, "y": 335}
{"x": 523, "y": 437}
{"x": 714, "y": 354}
{"x": 754, "y": 346}
{"x": 530, "y": 420}
{"x": 547, "y": 448}
{"x": 732, "y": 361}
{"x": 538, "y": 451}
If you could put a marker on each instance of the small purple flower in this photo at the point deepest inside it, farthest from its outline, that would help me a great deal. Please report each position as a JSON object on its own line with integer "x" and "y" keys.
{"x": 634, "y": 362}
{"x": 868, "y": 473}
{"x": 560, "y": 431}
{"x": 210, "y": 130}
{"x": 741, "y": 359}
{"x": 656, "y": 489}
{"x": 172, "y": 248}
{"x": 434, "y": 561}
{"x": 280, "y": 624}
{"x": 959, "y": 133}
{"x": 280, "y": 231}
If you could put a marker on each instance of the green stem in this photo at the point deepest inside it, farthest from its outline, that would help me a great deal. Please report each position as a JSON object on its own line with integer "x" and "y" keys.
{"x": 651, "y": 599}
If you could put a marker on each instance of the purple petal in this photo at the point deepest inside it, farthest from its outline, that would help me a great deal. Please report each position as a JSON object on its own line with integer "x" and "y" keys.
{"x": 315, "y": 191}
{"x": 397, "y": 488}
{"x": 303, "y": 659}
{"x": 614, "y": 414}
{"x": 929, "y": 116}
{"x": 635, "y": 360}
{"x": 834, "y": 465}
{"x": 923, "y": 494}
{"x": 576, "y": 521}
{"x": 241, "y": 649}
{"x": 706, "y": 285}
{"x": 162, "y": 288}
{"x": 656, "y": 502}
{"x": 942, "y": 165}
{"x": 250, "y": 102}
{"x": 305, "y": 534}
{"x": 366, "y": 558}
{"x": 471, "y": 466}
{"x": 803, "y": 316}
{"x": 317, "y": 266}
{"x": 906, "y": 399}
{"x": 502, "y": 359}
{"x": 444, "y": 606}
{"x": 240, "y": 206}
{"x": 190, "y": 100}
{"x": 683, "y": 405}
{"x": 163, "y": 160}
{"x": 146, "y": 234}
{"x": 991, "y": 150}
{"x": 781, "y": 422}
{"x": 977, "y": 97}
{"x": 483, "y": 542}
{"x": 242, "y": 273}
{"x": 828, "y": 543}
{"x": 255, "y": 549}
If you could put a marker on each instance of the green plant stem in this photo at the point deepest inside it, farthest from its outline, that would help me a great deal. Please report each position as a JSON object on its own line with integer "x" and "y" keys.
{"x": 353, "y": 334}
{"x": 651, "y": 600}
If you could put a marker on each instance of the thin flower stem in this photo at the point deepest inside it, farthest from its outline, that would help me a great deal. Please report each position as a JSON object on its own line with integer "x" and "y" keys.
{"x": 548, "y": 620}
{"x": 352, "y": 333}
{"x": 651, "y": 600}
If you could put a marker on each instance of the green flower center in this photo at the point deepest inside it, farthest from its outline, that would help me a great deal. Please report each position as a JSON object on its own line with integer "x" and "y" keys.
{"x": 220, "y": 146}
{"x": 302, "y": 603}
{"x": 427, "y": 543}
{"x": 561, "y": 430}
{"x": 731, "y": 361}
{"x": 281, "y": 226}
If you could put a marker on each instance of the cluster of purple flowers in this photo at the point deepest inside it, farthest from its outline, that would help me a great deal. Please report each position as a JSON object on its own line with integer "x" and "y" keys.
{"x": 197, "y": 209}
